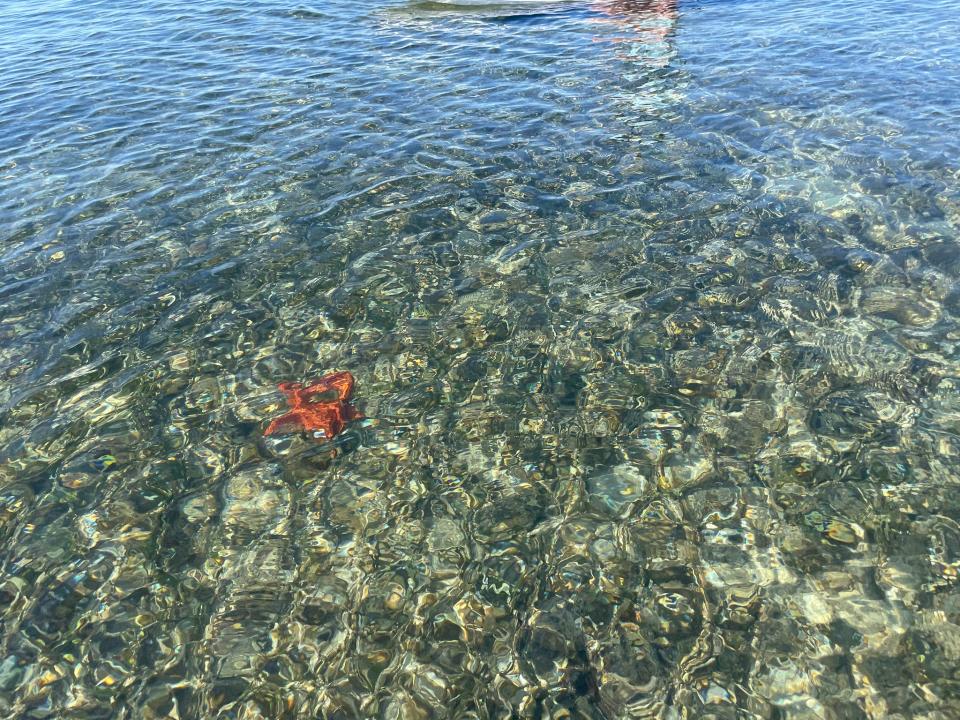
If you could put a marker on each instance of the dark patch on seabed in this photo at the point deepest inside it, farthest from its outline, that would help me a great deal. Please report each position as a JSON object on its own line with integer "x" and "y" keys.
{"x": 652, "y": 310}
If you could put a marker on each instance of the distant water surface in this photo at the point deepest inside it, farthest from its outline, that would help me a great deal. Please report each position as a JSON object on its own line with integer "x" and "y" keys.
{"x": 653, "y": 309}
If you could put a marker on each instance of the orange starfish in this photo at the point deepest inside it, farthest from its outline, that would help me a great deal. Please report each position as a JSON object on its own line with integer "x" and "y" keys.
{"x": 321, "y": 408}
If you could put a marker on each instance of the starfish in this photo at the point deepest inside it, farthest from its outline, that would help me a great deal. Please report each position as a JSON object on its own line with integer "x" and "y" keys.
{"x": 321, "y": 407}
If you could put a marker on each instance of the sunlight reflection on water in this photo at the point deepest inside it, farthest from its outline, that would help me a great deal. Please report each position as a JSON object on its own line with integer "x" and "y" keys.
{"x": 652, "y": 309}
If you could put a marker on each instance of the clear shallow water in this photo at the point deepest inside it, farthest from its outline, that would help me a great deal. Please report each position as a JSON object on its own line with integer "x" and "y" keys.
{"x": 653, "y": 307}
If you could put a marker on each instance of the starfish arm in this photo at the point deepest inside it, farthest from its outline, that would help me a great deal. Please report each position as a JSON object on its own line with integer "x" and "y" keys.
{"x": 285, "y": 423}
{"x": 290, "y": 390}
{"x": 341, "y": 383}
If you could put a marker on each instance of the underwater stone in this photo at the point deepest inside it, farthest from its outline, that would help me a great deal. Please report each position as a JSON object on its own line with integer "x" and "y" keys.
{"x": 614, "y": 491}
{"x": 255, "y": 501}
{"x": 517, "y": 512}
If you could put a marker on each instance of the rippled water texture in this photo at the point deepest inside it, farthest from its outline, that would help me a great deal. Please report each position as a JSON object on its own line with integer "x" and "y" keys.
{"x": 653, "y": 309}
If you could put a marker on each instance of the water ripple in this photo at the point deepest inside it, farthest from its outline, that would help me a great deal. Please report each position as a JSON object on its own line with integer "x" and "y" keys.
{"x": 652, "y": 307}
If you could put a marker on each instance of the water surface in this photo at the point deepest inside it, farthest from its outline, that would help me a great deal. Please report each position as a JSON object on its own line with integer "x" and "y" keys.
{"x": 653, "y": 310}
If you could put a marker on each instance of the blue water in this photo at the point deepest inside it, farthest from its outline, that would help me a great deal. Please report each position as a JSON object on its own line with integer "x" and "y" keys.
{"x": 653, "y": 310}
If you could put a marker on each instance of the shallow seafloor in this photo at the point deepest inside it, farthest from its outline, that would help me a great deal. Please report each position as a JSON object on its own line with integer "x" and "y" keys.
{"x": 653, "y": 309}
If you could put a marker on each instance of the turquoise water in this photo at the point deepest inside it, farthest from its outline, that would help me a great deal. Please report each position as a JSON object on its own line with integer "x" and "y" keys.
{"x": 653, "y": 310}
